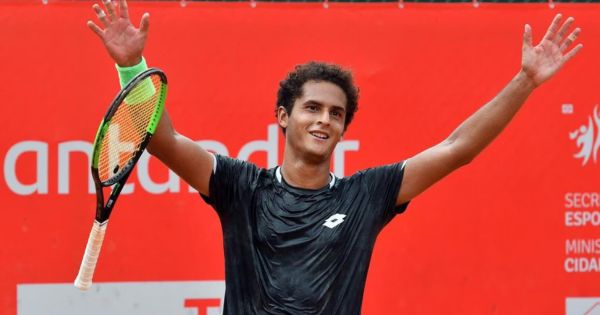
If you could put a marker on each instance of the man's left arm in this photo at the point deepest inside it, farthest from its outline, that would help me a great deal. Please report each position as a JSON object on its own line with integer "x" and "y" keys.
{"x": 538, "y": 64}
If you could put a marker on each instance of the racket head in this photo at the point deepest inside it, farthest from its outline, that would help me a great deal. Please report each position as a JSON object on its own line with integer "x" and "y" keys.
{"x": 124, "y": 133}
{"x": 128, "y": 126}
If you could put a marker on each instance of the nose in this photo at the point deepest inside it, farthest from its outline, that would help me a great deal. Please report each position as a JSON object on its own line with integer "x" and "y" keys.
{"x": 324, "y": 118}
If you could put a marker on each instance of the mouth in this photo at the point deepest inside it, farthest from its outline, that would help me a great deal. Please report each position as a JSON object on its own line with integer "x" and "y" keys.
{"x": 319, "y": 135}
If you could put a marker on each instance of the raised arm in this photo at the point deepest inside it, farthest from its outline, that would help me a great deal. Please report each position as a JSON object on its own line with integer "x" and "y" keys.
{"x": 538, "y": 64}
{"x": 125, "y": 44}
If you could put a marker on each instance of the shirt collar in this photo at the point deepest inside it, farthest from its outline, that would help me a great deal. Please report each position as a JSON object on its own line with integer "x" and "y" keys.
{"x": 279, "y": 177}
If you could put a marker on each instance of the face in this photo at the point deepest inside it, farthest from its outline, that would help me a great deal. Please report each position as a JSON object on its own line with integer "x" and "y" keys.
{"x": 316, "y": 123}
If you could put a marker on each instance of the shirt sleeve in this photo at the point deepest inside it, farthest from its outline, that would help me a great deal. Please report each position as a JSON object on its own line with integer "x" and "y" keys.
{"x": 231, "y": 183}
{"x": 384, "y": 184}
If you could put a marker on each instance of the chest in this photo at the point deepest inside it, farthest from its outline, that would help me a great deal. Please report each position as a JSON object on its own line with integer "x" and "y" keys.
{"x": 294, "y": 225}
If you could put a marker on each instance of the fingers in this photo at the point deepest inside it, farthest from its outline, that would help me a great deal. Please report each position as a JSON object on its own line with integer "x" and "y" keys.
{"x": 145, "y": 23}
{"x": 110, "y": 7}
{"x": 101, "y": 15}
{"x": 527, "y": 38}
{"x": 95, "y": 29}
{"x": 573, "y": 52}
{"x": 553, "y": 27}
{"x": 557, "y": 35}
{"x": 123, "y": 11}
{"x": 563, "y": 30}
{"x": 570, "y": 39}
{"x": 112, "y": 16}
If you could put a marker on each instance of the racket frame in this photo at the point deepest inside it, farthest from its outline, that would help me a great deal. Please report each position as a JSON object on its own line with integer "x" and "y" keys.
{"x": 103, "y": 211}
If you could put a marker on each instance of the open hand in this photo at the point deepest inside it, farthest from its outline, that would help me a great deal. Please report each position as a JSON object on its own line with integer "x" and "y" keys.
{"x": 541, "y": 62}
{"x": 124, "y": 42}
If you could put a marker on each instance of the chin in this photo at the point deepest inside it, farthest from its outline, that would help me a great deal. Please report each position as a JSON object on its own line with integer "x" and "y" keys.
{"x": 318, "y": 156}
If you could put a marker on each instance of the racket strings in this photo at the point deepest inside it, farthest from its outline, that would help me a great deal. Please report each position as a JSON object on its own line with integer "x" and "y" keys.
{"x": 128, "y": 128}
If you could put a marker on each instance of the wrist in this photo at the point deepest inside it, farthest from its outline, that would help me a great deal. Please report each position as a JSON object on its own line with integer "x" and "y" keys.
{"x": 131, "y": 62}
{"x": 127, "y": 73}
{"x": 526, "y": 80}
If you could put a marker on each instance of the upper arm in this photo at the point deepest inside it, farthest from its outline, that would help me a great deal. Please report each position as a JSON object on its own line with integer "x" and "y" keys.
{"x": 426, "y": 168}
{"x": 182, "y": 155}
{"x": 190, "y": 161}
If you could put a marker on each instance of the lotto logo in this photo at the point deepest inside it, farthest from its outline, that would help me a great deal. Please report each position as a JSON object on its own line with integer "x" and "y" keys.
{"x": 334, "y": 220}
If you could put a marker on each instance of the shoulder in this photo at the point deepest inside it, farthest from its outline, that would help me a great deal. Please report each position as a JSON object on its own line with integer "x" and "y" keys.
{"x": 378, "y": 172}
{"x": 225, "y": 163}
{"x": 239, "y": 169}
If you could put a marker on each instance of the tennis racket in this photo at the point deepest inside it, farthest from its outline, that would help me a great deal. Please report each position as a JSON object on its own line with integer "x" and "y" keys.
{"x": 120, "y": 141}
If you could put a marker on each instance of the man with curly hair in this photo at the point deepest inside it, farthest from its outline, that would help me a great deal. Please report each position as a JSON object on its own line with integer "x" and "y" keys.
{"x": 297, "y": 239}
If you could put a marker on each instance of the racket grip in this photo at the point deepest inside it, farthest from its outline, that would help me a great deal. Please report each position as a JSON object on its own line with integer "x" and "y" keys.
{"x": 90, "y": 258}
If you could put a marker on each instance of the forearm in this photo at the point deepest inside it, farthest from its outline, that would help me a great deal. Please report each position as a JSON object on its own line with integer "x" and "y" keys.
{"x": 164, "y": 135}
{"x": 179, "y": 153}
{"x": 475, "y": 133}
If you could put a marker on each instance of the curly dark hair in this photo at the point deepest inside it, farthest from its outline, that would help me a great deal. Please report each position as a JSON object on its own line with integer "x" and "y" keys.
{"x": 291, "y": 87}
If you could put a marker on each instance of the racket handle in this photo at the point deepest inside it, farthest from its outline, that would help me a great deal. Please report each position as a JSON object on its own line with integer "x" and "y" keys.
{"x": 90, "y": 258}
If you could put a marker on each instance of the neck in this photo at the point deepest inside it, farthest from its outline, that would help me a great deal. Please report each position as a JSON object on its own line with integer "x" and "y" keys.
{"x": 304, "y": 174}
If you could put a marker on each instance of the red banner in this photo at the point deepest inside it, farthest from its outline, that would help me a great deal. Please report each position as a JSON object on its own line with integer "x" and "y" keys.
{"x": 514, "y": 232}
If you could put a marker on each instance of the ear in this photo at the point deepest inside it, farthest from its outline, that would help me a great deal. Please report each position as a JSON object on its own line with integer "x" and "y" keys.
{"x": 282, "y": 117}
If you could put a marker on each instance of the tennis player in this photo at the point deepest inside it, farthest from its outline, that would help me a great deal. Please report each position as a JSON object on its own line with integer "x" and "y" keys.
{"x": 297, "y": 239}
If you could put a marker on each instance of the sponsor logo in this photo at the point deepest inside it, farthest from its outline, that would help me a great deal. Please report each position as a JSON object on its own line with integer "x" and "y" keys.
{"x": 334, "y": 220}
{"x": 587, "y": 138}
{"x": 123, "y": 298}
{"x": 583, "y": 306}
{"x": 43, "y": 170}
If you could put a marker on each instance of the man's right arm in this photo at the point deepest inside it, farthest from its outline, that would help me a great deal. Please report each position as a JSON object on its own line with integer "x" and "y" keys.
{"x": 125, "y": 45}
{"x": 182, "y": 155}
